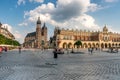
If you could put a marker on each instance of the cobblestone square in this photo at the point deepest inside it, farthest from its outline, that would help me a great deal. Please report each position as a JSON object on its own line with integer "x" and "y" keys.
{"x": 40, "y": 65}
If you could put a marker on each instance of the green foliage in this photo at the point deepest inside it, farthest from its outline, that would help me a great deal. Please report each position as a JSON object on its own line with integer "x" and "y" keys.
{"x": 4, "y": 40}
{"x": 78, "y": 43}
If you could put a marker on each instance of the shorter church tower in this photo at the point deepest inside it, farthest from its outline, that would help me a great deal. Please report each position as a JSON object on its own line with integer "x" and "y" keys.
{"x": 44, "y": 32}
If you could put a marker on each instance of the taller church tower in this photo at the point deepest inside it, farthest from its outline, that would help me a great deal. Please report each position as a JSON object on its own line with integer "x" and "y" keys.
{"x": 38, "y": 33}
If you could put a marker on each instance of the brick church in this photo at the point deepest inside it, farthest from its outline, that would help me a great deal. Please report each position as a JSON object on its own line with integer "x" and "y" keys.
{"x": 37, "y": 39}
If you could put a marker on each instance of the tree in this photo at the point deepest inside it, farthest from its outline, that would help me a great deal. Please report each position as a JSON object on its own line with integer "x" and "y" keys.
{"x": 5, "y": 40}
{"x": 78, "y": 43}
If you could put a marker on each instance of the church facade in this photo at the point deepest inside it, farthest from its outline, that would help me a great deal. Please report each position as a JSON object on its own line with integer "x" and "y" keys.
{"x": 98, "y": 39}
{"x": 5, "y": 32}
{"x": 37, "y": 39}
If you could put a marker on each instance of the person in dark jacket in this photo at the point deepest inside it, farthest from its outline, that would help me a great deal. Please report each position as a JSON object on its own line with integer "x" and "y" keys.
{"x": 55, "y": 53}
{"x": 19, "y": 49}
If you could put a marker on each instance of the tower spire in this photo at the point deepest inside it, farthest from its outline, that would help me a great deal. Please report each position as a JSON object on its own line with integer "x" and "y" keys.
{"x": 38, "y": 21}
{"x": 44, "y": 25}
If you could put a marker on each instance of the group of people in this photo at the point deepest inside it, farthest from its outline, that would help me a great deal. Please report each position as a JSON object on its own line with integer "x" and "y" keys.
{"x": 3, "y": 49}
{"x": 113, "y": 50}
{"x": 90, "y": 50}
{"x": 6, "y": 49}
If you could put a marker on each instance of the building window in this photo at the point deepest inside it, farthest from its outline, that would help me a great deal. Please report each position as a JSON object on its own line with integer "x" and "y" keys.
{"x": 65, "y": 37}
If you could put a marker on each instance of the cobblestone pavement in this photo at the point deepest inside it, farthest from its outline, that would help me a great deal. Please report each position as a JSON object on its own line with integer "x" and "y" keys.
{"x": 40, "y": 65}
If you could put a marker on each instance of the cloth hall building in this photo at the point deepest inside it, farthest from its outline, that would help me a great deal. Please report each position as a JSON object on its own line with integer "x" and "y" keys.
{"x": 99, "y": 39}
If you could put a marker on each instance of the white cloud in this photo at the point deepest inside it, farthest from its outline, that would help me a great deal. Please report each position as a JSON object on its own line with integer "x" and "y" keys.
{"x": 38, "y": 1}
{"x": 17, "y": 35}
{"x": 111, "y": 29}
{"x": 67, "y": 9}
{"x": 94, "y": 7}
{"x": 66, "y": 13}
{"x": 88, "y": 21}
{"x": 23, "y": 24}
{"x": 19, "y": 2}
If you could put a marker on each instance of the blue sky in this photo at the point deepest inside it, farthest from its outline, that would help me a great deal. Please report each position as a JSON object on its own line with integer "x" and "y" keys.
{"x": 21, "y": 15}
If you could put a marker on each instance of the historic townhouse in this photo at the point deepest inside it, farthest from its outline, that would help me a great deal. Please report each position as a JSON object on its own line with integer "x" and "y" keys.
{"x": 4, "y": 31}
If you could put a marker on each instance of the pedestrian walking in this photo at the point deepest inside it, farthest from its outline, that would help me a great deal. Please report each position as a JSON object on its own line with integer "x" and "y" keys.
{"x": 19, "y": 49}
{"x": 55, "y": 53}
{"x": 5, "y": 49}
{"x": 88, "y": 50}
{"x": 72, "y": 50}
{"x": 96, "y": 48}
{"x": 91, "y": 50}
{"x": 116, "y": 50}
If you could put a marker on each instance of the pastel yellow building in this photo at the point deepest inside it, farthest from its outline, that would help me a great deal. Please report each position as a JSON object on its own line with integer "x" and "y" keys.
{"x": 97, "y": 39}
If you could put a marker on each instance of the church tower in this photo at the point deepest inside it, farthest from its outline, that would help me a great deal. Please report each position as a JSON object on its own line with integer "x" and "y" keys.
{"x": 38, "y": 33}
{"x": 44, "y": 32}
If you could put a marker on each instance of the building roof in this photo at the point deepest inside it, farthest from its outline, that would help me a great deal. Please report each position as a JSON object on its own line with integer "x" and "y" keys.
{"x": 31, "y": 34}
{"x": 30, "y": 41}
{"x": 105, "y": 28}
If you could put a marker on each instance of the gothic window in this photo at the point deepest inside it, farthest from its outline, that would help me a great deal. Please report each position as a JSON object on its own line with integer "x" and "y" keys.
{"x": 106, "y": 38}
{"x": 65, "y": 37}
{"x": 42, "y": 42}
{"x": 75, "y": 37}
{"x": 72, "y": 37}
